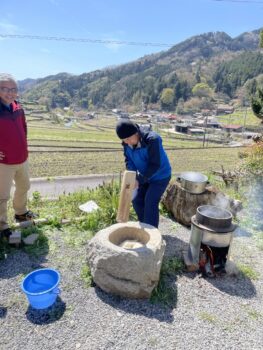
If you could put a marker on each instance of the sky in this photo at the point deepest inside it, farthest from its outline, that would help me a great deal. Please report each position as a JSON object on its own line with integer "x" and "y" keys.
{"x": 140, "y": 21}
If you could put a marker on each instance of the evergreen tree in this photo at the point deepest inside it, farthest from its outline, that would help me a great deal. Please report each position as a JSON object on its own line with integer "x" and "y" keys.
{"x": 257, "y": 101}
{"x": 257, "y": 104}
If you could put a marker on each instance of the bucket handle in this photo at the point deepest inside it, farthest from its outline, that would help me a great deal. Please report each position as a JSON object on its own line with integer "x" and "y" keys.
{"x": 55, "y": 291}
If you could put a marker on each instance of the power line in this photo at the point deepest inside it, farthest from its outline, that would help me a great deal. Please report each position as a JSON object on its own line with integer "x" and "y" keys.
{"x": 83, "y": 40}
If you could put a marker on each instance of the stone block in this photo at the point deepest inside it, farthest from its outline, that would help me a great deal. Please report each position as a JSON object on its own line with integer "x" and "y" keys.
{"x": 126, "y": 258}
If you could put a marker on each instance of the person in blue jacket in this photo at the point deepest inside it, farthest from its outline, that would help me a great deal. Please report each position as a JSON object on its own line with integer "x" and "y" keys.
{"x": 144, "y": 153}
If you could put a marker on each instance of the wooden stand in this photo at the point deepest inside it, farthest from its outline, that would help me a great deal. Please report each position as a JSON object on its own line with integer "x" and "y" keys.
{"x": 127, "y": 187}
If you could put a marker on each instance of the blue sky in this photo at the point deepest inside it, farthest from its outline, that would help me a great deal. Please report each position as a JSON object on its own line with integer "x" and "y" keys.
{"x": 166, "y": 21}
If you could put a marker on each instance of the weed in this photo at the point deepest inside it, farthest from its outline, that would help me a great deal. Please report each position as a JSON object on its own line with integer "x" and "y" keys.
{"x": 30, "y": 230}
{"x": 50, "y": 179}
{"x": 248, "y": 272}
{"x": 36, "y": 196}
{"x": 85, "y": 275}
{"x": 75, "y": 238}
{"x": 255, "y": 315}
{"x": 207, "y": 317}
{"x": 172, "y": 266}
{"x": 165, "y": 293}
{"x": 163, "y": 210}
{"x": 41, "y": 246}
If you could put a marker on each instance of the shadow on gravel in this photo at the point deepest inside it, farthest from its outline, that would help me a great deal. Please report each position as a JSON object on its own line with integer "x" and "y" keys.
{"x": 242, "y": 232}
{"x": 20, "y": 263}
{"x": 174, "y": 246}
{"x": 46, "y": 316}
{"x": 237, "y": 286}
{"x": 137, "y": 306}
{"x": 3, "y": 312}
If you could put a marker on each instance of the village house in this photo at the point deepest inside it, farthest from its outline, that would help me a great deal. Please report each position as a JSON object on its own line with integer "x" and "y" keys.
{"x": 224, "y": 109}
{"x": 232, "y": 128}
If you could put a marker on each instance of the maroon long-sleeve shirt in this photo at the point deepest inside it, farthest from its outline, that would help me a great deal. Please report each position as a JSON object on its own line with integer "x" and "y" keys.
{"x": 13, "y": 134}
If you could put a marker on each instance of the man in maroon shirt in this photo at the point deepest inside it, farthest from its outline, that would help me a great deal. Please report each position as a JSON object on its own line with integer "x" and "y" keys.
{"x": 13, "y": 155}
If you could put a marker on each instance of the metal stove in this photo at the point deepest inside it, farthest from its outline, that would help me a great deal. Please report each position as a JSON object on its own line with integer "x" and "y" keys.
{"x": 211, "y": 226}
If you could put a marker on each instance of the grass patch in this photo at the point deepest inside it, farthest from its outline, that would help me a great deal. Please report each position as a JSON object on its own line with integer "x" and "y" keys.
{"x": 74, "y": 238}
{"x": 67, "y": 207}
{"x": 248, "y": 272}
{"x": 85, "y": 275}
{"x": 166, "y": 293}
{"x": 41, "y": 245}
{"x": 172, "y": 266}
{"x": 239, "y": 117}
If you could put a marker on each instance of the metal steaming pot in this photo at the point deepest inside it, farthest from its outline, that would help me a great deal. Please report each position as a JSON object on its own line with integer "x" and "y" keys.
{"x": 193, "y": 182}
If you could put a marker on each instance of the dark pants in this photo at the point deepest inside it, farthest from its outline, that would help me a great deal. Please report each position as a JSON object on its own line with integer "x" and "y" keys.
{"x": 146, "y": 203}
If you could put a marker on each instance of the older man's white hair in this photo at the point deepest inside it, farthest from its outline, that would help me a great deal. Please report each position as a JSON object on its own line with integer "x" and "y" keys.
{"x": 4, "y": 77}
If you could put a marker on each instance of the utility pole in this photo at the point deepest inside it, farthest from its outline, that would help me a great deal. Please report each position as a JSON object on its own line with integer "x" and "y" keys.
{"x": 204, "y": 139}
{"x": 245, "y": 120}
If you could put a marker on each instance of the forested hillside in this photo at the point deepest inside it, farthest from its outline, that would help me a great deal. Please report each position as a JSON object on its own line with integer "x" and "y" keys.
{"x": 200, "y": 70}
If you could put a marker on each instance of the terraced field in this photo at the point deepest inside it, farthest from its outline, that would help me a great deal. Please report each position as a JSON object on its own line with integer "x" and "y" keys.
{"x": 93, "y": 148}
{"x": 81, "y": 163}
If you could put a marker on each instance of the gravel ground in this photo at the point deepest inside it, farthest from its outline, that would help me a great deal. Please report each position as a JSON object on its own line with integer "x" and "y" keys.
{"x": 221, "y": 313}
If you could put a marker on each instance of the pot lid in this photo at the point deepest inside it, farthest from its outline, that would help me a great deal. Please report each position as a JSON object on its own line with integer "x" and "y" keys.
{"x": 214, "y": 229}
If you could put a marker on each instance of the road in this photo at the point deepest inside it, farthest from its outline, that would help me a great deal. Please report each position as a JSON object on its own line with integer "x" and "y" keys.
{"x": 56, "y": 186}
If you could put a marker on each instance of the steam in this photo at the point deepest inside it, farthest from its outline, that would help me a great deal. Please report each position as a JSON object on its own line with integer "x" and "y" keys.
{"x": 214, "y": 212}
{"x": 224, "y": 202}
{"x": 254, "y": 210}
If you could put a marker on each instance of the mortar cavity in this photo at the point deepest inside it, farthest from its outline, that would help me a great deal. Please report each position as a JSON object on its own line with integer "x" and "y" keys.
{"x": 129, "y": 237}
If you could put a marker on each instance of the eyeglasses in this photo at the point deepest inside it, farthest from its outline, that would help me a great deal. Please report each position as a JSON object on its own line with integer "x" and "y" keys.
{"x": 6, "y": 89}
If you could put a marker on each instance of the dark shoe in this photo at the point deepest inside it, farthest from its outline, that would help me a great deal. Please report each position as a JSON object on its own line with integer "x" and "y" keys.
{"x": 28, "y": 216}
{"x": 5, "y": 233}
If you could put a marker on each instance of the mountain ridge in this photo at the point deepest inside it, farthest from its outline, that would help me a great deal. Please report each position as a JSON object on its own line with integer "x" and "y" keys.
{"x": 144, "y": 79}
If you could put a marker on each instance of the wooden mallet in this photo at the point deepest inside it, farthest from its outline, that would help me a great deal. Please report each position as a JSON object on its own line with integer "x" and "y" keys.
{"x": 127, "y": 188}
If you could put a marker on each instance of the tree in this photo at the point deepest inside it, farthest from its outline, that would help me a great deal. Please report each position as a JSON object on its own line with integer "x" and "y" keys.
{"x": 261, "y": 39}
{"x": 180, "y": 106}
{"x": 202, "y": 90}
{"x": 167, "y": 98}
{"x": 197, "y": 76}
{"x": 257, "y": 101}
{"x": 257, "y": 104}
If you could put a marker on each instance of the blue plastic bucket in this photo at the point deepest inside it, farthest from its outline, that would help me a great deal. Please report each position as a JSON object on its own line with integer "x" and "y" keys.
{"x": 41, "y": 287}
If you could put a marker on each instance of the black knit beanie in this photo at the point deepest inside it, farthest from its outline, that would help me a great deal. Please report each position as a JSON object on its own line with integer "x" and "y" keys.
{"x": 126, "y": 128}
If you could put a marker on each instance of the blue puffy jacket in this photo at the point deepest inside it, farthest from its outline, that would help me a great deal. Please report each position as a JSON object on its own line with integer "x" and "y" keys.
{"x": 149, "y": 159}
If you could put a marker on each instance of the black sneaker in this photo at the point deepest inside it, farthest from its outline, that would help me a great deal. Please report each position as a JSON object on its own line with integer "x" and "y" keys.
{"x": 28, "y": 216}
{"x": 5, "y": 234}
